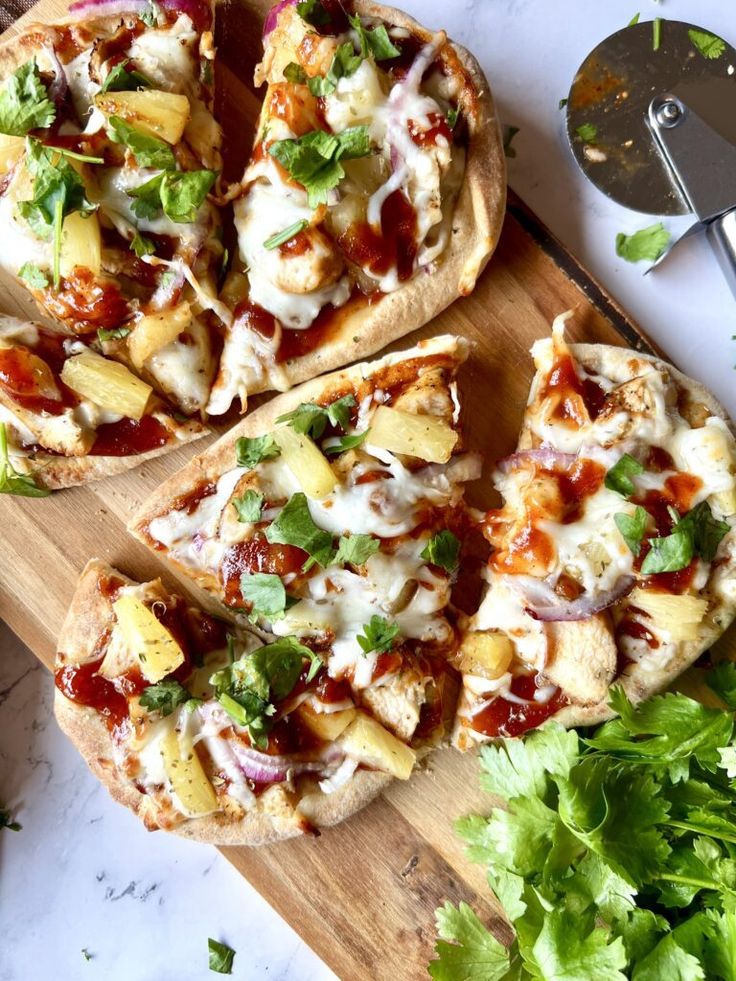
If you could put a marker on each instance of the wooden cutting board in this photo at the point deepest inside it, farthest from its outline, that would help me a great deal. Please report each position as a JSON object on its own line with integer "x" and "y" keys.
{"x": 362, "y": 895}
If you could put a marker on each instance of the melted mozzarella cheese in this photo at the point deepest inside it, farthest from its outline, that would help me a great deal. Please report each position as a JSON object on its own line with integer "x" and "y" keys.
{"x": 191, "y": 537}
{"x": 167, "y": 55}
{"x": 709, "y": 453}
{"x": 83, "y": 90}
{"x": 243, "y": 367}
{"x": 264, "y": 211}
{"x": 18, "y": 244}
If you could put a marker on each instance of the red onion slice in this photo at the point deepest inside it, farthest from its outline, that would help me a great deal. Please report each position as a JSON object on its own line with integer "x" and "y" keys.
{"x": 263, "y": 768}
{"x": 273, "y": 15}
{"x": 543, "y": 603}
{"x": 57, "y": 89}
{"x": 545, "y": 457}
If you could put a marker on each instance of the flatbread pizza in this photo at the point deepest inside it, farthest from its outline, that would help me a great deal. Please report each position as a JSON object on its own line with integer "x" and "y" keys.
{"x": 373, "y": 197}
{"x": 108, "y": 150}
{"x": 614, "y": 553}
{"x": 70, "y": 415}
{"x": 201, "y": 728}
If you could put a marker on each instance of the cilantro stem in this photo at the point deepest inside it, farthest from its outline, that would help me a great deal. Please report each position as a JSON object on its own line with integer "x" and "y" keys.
{"x": 656, "y": 33}
{"x": 686, "y": 826}
{"x": 3, "y": 445}
{"x": 75, "y": 156}
{"x": 58, "y": 222}
{"x": 687, "y": 880}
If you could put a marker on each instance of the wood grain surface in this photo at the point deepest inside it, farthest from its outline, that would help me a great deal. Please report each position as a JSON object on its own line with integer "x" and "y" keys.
{"x": 362, "y": 894}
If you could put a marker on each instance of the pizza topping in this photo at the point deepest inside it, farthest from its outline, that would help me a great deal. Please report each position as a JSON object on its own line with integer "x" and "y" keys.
{"x": 11, "y": 481}
{"x": 156, "y": 648}
{"x": 164, "y": 697}
{"x": 378, "y": 635}
{"x": 443, "y": 550}
{"x": 24, "y": 102}
{"x": 106, "y": 383}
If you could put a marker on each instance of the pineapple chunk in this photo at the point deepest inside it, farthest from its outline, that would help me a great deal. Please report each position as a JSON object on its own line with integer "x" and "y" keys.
{"x": 188, "y": 779}
{"x": 367, "y": 740}
{"x": 156, "y": 649}
{"x": 725, "y": 501}
{"x": 679, "y": 616}
{"x": 425, "y": 436}
{"x": 81, "y": 244}
{"x": 160, "y": 114}
{"x": 106, "y": 383}
{"x": 155, "y": 331}
{"x": 314, "y": 474}
{"x": 326, "y": 725}
{"x": 486, "y": 654}
{"x": 11, "y": 150}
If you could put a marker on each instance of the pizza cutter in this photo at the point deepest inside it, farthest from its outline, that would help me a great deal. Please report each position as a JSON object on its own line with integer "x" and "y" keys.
{"x": 651, "y": 119}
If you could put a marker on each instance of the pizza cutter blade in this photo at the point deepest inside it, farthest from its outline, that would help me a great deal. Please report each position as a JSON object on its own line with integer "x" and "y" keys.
{"x": 652, "y": 123}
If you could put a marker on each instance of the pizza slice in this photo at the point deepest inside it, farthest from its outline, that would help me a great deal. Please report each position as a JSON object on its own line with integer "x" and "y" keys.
{"x": 69, "y": 415}
{"x": 108, "y": 151}
{"x": 614, "y": 553}
{"x": 334, "y": 514}
{"x": 373, "y": 198}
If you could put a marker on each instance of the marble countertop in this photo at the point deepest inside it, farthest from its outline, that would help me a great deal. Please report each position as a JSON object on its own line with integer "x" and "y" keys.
{"x": 83, "y": 874}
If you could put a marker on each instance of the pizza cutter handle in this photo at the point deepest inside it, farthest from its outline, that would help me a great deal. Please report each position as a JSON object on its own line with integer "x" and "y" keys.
{"x": 721, "y": 233}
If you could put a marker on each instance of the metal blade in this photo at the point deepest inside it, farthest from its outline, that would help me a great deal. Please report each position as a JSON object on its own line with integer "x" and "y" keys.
{"x": 612, "y": 92}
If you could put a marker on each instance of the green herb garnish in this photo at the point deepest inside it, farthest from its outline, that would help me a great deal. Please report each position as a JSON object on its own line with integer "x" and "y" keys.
{"x": 648, "y": 243}
{"x": 249, "y": 506}
{"x": 249, "y": 451}
{"x": 632, "y": 528}
{"x": 355, "y": 549}
{"x": 618, "y": 478}
{"x": 164, "y": 696}
{"x": 220, "y": 956}
{"x": 587, "y": 132}
{"x": 295, "y": 526}
{"x": 378, "y": 635}
{"x": 288, "y": 233}
{"x": 443, "y": 549}
{"x": 12, "y": 482}
{"x": 314, "y": 159}
{"x": 112, "y": 333}
{"x": 709, "y": 45}
{"x": 311, "y": 419}
{"x": 24, "y": 102}
{"x": 119, "y": 79}
{"x": 33, "y": 275}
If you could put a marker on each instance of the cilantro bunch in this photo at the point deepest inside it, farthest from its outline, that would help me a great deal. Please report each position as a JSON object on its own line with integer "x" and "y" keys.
{"x": 613, "y": 856}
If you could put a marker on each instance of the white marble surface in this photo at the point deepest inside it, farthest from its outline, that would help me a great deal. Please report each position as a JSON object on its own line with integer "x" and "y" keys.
{"x": 82, "y": 873}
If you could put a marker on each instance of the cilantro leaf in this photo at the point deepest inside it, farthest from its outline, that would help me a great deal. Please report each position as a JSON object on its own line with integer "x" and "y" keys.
{"x": 249, "y": 506}
{"x": 6, "y": 821}
{"x": 670, "y": 960}
{"x": 587, "y": 132}
{"x": 656, "y": 33}
{"x": 12, "y": 482}
{"x": 356, "y": 549}
{"x": 706, "y": 530}
{"x": 379, "y": 635}
{"x": 311, "y": 419}
{"x": 24, "y": 102}
{"x": 443, "y": 549}
{"x": 467, "y": 950}
{"x": 266, "y": 594}
{"x": 288, "y": 233}
{"x": 151, "y": 14}
{"x": 142, "y": 245}
{"x": 183, "y": 193}
{"x": 164, "y": 696}
{"x": 634, "y": 20}
{"x": 632, "y": 527}
{"x": 344, "y": 64}
{"x": 648, "y": 243}
{"x": 249, "y": 451}
{"x": 312, "y": 12}
{"x": 665, "y": 731}
{"x": 295, "y": 526}
{"x": 179, "y": 194}
{"x": 452, "y": 116}
{"x": 313, "y": 160}
{"x": 33, "y": 275}
{"x": 58, "y": 190}
{"x": 618, "y": 478}
{"x": 344, "y": 443}
{"x": 295, "y": 74}
{"x": 119, "y": 79}
{"x": 720, "y": 951}
{"x": 722, "y": 680}
{"x": 567, "y": 950}
{"x": 709, "y": 45}
{"x": 147, "y": 150}
{"x": 112, "y": 334}
{"x": 220, "y": 957}
{"x": 375, "y": 41}
{"x": 516, "y": 768}
{"x": 669, "y": 554}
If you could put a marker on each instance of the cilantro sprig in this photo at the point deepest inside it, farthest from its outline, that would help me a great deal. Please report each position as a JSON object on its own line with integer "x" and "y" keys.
{"x": 709, "y": 45}
{"x": 164, "y": 696}
{"x": 12, "y": 482}
{"x": 249, "y": 688}
{"x": 120, "y": 79}
{"x": 618, "y": 478}
{"x": 24, "y": 102}
{"x": 178, "y": 194}
{"x": 378, "y": 635}
{"x": 612, "y": 856}
{"x": 698, "y": 533}
{"x": 221, "y": 957}
{"x": 311, "y": 419}
{"x": 313, "y": 160}
{"x": 443, "y": 549}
